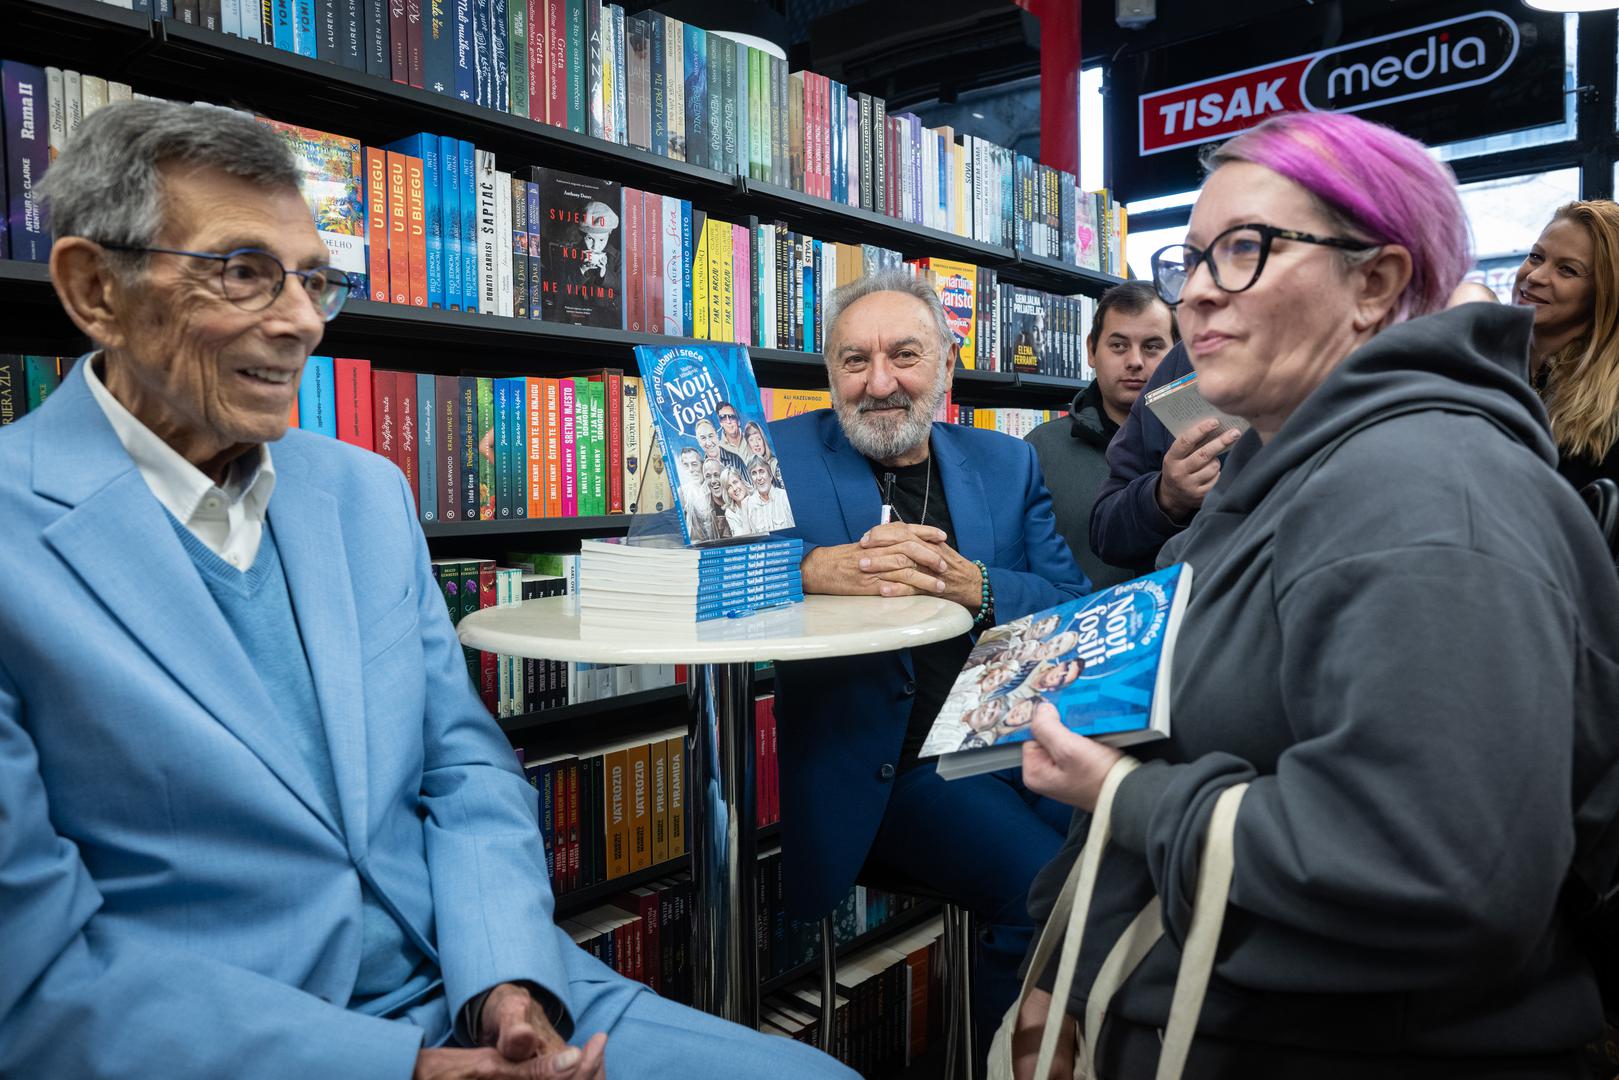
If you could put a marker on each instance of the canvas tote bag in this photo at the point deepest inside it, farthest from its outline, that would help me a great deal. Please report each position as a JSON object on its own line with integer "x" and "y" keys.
{"x": 1066, "y": 923}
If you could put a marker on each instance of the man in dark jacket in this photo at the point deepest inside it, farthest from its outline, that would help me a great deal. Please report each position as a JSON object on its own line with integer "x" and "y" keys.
{"x": 1155, "y": 482}
{"x": 1130, "y": 334}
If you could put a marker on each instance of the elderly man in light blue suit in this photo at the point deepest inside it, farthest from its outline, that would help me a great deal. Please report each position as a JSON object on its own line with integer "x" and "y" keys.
{"x": 254, "y": 821}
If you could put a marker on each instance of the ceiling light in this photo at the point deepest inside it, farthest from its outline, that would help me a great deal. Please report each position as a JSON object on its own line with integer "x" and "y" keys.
{"x": 978, "y": 116}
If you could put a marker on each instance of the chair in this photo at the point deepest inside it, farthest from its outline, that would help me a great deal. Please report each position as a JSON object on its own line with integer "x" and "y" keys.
{"x": 1602, "y": 496}
{"x": 955, "y": 963}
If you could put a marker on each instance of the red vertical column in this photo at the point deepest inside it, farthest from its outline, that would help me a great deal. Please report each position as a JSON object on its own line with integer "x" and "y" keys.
{"x": 1059, "y": 80}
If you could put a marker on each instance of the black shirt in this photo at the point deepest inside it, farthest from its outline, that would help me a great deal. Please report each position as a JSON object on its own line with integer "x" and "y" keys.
{"x": 936, "y": 665}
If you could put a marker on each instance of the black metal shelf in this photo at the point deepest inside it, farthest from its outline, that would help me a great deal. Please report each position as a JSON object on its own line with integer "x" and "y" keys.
{"x": 921, "y": 913}
{"x": 604, "y": 525}
{"x": 620, "y": 703}
{"x": 173, "y": 59}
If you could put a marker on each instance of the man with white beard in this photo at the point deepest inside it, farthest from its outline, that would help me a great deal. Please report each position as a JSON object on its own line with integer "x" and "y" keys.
{"x": 889, "y": 503}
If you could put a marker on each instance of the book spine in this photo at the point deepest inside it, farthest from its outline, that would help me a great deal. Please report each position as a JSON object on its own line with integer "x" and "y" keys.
{"x": 466, "y": 67}
{"x": 374, "y": 26}
{"x": 722, "y": 61}
{"x": 674, "y": 82}
{"x": 634, "y": 255}
{"x": 593, "y": 61}
{"x": 553, "y": 447}
{"x": 700, "y": 285}
{"x": 714, "y": 124}
{"x": 438, "y": 47}
{"x": 556, "y": 62}
{"x": 488, "y": 298}
{"x": 351, "y": 40}
{"x": 427, "y": 436}
{"x": 534, "y": 446}
{"x": 499, "y": 55}
{"x": 742, "y": 284}
{"x": 538, "y": 61}
{"x": 657, "y": 84}
{"x": 614, "y": 413}
{"x": 447, "y": 407}
{"x": 503, "y": 243}
{"x": 14, "y": 388}
{"x": 482, "y": 60}
{"x": 487, "y": 598}
{"x": 696, "y": 93}
{"x": 531, "y": 195}
{"x": 416, "y": 228}
{"x": 688, "y": 315}
{"x": 502, "y": 417}
{"x": 24, "y": 104}
{"x": 467, "y": 440}
{"x": 326, "y": 23}
{"x": 43, "y": 375}
{"x": 405, "y": 414}
{"x": 384, "y": 403}
{"x": 317, "y": 397}
{"x": 398, "y": 230}
{"x": 519, "y": 248}
{"x": 353, "y": 398}
{"x": 467, "y": 196}
{"x": 578, "y": 66}
{"x": 569, "y": 445}
{"x": 517, "y": 58}
{"x": 486, "y": 449}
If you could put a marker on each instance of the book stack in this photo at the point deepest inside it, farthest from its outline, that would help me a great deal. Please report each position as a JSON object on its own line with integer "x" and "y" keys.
{"x": 629, "y": 583}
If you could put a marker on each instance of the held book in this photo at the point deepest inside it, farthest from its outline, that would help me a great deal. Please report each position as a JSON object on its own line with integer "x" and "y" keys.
{"x": 1179, "y": 405}
{"x": 1100, "y": 664}
{"x": 712, "y": 430}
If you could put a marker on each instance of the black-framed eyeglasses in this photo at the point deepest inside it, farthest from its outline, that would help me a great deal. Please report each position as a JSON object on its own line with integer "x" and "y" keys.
{"x": 1235, "y": 258}
{"x": 252, "y": 278}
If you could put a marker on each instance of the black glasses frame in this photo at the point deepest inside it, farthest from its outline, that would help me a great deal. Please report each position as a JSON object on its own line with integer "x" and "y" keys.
{"x": 1267, "y": 234}
{"x": 327, "y": 308}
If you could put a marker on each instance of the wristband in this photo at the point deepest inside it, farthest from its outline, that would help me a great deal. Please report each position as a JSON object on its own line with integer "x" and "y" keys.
{"x": 986, "y": 599}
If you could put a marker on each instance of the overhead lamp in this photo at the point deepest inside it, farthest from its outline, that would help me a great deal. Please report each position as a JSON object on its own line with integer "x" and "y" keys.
{"x": 1570, "y": 7}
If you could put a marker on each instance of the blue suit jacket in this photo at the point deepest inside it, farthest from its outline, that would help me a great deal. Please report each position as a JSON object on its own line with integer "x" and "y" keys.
{"x": 842, "y": 720}
{"x": 175, "y": 899}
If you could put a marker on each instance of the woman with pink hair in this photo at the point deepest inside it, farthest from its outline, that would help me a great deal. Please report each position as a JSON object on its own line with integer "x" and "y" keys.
{"x": 1403, "y": 637}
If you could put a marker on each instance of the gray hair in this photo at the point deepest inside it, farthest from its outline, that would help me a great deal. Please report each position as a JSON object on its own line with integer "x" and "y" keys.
{"x": 107, "y": 183}
{"x": 892, "y": 280}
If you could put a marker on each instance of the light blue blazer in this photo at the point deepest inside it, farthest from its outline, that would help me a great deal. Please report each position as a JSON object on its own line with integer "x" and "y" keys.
{"x": 175, "y": 899}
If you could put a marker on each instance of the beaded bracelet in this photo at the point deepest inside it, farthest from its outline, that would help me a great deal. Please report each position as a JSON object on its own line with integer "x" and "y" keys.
{"x": 986, "y": 602}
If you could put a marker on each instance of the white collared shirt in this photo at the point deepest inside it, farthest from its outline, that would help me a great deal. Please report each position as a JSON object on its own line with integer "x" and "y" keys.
{"x": 229, "y": 519}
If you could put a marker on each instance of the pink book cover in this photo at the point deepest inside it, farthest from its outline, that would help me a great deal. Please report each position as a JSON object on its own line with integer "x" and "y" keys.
{"x": 570, "y": 452}
{"x": 852, "y": 162}
{"x": 652, "y": 223}
{"x": 742, "y": 292}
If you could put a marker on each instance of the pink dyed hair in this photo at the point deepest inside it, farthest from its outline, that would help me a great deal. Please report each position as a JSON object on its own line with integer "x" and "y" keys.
{"x": 1377, "y": 184}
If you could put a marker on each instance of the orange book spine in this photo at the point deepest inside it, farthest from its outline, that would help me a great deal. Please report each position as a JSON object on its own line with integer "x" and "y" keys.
{"x": 616, "y": 813}
{"x": 416, "y": 217}
{"x": 376, "y": 206}
{"x": 640, "y": 794}
{"x": 534, "y": 442}
{"x": 398, "y": 231}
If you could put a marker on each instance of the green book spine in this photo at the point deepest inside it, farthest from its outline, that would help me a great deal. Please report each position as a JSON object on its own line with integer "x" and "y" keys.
{"x": 576, "y": 65}
{"x": 42, "y": 379}
{"x": 517, "y": 56}
{"x": 13, "y": 388}
{"x": 598, "y": 443}
{"x": 470, "y": 602}
{"x": 717, "y": 48}
{"x": 486, "y": 450}
{"x": 503, "y": 448}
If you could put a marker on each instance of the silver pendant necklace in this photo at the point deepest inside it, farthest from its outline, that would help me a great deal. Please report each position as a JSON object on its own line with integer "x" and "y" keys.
{"x": 927, "y": 491}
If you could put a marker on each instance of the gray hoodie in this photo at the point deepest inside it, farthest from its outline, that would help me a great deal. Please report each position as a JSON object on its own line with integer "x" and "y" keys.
{"x": 1404, "y": 631}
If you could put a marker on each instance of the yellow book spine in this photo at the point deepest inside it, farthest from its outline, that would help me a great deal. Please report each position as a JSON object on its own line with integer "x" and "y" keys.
{"x": 699, "y": 286}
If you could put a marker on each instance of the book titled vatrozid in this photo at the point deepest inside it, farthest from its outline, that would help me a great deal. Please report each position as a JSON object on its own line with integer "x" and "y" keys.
{"x": 581, "y": 249}
{"x": 1100, "y": 664}
{"x": 712, "y": 430}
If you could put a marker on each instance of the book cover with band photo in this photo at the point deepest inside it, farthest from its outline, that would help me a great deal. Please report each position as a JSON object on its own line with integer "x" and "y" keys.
{"x": 1100, "y": 664}
{"x": 711, "y": 427}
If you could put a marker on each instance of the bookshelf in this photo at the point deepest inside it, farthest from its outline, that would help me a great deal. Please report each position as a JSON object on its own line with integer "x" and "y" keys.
{"x": 572, "y": 903}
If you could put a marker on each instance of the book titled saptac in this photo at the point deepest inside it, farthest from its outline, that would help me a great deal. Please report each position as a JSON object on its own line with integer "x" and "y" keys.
{"x": 711, "y": 428}
{"x": 1100, "y": 664}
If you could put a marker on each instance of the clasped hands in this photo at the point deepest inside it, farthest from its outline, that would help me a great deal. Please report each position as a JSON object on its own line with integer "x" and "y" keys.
{"x": 519, "y": 1043}
{"x": 895, "y": 560}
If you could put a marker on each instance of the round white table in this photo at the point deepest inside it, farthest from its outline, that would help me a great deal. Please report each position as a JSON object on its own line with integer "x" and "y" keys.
{"x": 719, "y": 741}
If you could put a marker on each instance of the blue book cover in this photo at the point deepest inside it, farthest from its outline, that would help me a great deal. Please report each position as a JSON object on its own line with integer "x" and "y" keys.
{"x": 697, "y": 97}
{"x": 466, "y": 66}
{"x": 500, "y": 76}
{"x": 303, "y": 27}
{"x": 283, "y": 32}
{"x": 482, "y": 58}
{"x": 317, "y": 397}
{"x": 450, "y": 214}
{"x": 686, "y": 313}
{"x": 469, "y": 228}
{"x": 1101, "y": 665}
{"x": 466, "y": 431}
{"x": 806, "y": 310}
{"x": 427, "y": 444}
{"x": 426, "y": 147}
{"x": 715, "y": 439}
{"x": 531, "y": 195}
{"x": 517, "y": 431}
{"x": 503, "y": 448}
{"x": 438, "y": 47}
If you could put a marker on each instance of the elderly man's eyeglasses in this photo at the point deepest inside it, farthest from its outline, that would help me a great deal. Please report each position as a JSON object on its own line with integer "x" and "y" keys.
{"x": 1235, "y": 258}
{"x": 252, "y": 279}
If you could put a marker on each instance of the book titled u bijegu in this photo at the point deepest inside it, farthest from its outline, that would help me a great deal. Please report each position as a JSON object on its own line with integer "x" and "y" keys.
{"x": 713, "y": 432}
{"x": 1100, "y": 664}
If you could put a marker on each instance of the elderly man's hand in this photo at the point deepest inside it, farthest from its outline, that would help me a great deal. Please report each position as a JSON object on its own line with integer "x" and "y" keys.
{"x": 520, "y": 1043}
{"x": 868, "y": 567}
{"x": 939, "y": 571}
